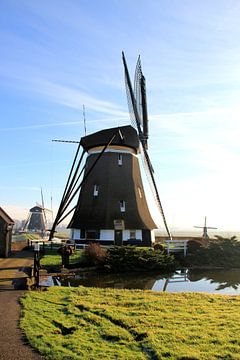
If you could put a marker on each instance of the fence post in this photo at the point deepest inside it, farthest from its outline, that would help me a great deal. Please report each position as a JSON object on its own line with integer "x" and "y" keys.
{"x": 36, "y": 263}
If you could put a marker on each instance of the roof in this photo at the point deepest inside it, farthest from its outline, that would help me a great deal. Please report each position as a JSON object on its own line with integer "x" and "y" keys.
{"x": 36, "y": 209}
{"x": 125, "y": 136}
{"x": 6, "y": 217}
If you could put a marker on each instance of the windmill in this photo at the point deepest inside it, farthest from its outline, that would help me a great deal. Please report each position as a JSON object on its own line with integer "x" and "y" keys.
{"x": 205, "y": 229}
{"x": 37, "y": 219}
{"x": 111, "y": 206}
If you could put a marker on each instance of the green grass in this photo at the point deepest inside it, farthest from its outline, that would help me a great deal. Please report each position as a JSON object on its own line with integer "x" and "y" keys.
{"x": 25, "y": 237}
{"x": 90, "y": 323}
{"x": 52, "y": 258}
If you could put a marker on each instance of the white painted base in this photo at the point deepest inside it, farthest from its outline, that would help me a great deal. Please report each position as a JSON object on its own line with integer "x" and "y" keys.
{"x": 108, "y": 235}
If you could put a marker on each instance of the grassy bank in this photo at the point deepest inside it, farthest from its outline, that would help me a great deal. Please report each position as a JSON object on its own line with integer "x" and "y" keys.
{"x": 90, "y": 323}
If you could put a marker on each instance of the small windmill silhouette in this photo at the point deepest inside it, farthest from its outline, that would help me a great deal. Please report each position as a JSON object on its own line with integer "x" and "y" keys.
{"x": 37, "y": 219}
{"x": 205, "y": 229}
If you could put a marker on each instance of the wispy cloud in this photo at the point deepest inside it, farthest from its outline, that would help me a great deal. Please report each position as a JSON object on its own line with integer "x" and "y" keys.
{"x": 75, "y": 98}
{"x": 28, "y": 188}
{"x": 59, "y": 124}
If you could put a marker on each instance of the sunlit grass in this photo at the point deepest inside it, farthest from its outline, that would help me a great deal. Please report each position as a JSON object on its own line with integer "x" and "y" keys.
{"x": 26, "y": 237}
{"x": 91, "y": 323}
{"x": 52, "y": 258}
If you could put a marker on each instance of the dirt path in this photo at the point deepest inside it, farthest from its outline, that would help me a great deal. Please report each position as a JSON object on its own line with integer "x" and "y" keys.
{"x": 12, "y": 344}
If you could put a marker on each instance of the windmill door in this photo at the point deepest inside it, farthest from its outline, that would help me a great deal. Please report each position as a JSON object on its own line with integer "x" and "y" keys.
{"x": 118, "y": 237}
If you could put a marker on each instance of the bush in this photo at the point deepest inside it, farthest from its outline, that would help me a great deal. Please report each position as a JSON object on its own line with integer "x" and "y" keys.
{"x": 220, "y": 252}
{"x": 159, "y": 246}
{"x": 193, "y": 246}
{"x": 95, "y": 254}
{"x": 127, "y": 258}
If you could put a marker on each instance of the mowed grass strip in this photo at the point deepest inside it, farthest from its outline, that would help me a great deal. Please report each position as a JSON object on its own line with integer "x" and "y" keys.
{"x": 53, "y": 258}
{"x": 92, "y": 323}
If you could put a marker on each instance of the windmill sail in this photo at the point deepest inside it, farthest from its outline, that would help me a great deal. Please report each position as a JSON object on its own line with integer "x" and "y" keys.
{"x": 141, "y": 100}
{"x": 137, "y": 101}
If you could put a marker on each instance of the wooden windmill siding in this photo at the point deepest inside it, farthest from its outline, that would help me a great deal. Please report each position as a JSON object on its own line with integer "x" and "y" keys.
{"x": 114, "y": 192}
{"x": 6, "y": 225}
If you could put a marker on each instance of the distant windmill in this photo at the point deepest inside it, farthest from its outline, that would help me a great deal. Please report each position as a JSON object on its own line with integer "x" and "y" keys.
{"x": 205, "y": 229}
{"x": 37, "y": 219}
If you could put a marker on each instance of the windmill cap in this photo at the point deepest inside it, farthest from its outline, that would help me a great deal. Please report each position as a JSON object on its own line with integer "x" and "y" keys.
{"x": 125, "y": 136}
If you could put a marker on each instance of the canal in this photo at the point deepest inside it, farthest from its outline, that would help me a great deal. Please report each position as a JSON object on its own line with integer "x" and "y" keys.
{"x": 211, "y": 281}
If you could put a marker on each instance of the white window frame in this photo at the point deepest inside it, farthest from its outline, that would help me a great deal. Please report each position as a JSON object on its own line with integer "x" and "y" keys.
{"x": 95, "y": 190}
{"x": 120, "y": 159}
{"x": 122, "y": 204}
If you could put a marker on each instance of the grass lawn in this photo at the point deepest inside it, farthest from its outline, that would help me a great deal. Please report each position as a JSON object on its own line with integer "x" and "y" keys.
{"x": 25, "y": 237}
{"x": 52, "y": 258}
{"x": 90, "y": 323}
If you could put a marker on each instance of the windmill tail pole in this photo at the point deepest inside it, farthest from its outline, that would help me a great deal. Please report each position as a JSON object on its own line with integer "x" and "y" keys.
{"x": 60, "y": 219}
{"x": 60, "y": 215}
{"x": 68, "y": 197}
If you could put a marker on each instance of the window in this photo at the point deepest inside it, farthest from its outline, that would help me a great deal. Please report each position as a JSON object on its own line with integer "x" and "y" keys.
{"x": 95, "y": 190}
{"x": 119, "y": 160}
{"x": 92, "y": 234}
{"x": 132, "y": 234}
{"x": 122, "y": 206}
{"x": 82, "y": 233}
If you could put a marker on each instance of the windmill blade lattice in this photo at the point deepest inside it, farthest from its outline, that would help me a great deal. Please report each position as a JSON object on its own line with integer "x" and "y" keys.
{"x": 139, "y": 120}
{"x": 137, "y": 89}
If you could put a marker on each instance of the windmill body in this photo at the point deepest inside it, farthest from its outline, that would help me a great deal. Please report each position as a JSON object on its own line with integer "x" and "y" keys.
{"x": 112, "y": 206}
{"x": 36, "y": 221}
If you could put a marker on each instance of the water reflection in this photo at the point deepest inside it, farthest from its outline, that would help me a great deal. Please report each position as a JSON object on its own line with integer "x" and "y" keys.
{"x": 222, "y": 278}
{"x": 118, "y": 281}
{"x": 214, "y": 281}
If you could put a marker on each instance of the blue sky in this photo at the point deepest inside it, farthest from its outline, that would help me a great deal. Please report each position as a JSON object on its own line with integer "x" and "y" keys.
{"x": 58, "y": 55}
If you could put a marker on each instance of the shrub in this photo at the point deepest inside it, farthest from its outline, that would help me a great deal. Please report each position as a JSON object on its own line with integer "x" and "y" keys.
{"x": 95, "y": 254}
{"x": 127, "y": 258}
{"x": 159, "y": 246}
{"x": 193, "y": 246}
{"x": 220, "y": 252}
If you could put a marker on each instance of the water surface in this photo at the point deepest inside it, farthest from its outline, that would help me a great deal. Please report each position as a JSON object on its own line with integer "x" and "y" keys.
{"x": 214, "y": 281}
